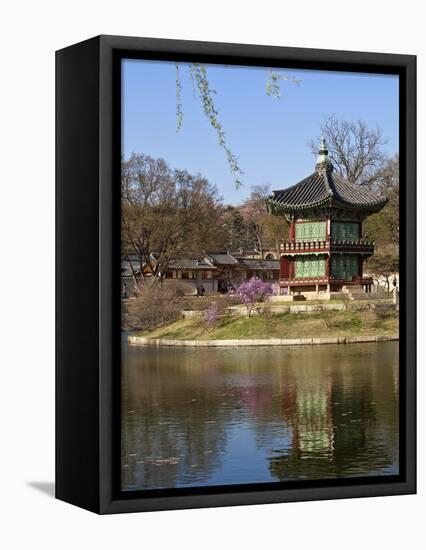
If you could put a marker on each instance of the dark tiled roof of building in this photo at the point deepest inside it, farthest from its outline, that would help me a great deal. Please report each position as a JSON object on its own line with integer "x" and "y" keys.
{"x": 211, "y": 262}
{"x": 244, "y": 252}
{"x": 189, "y": 263}
{"x": 215, "y": 259}
{"x": 222, "y": 258}
{"x": 325, "y": 187}
{"x": 178, "y": 263}
{"x": 251, "y": 263}
{"x": 126, "y": 270}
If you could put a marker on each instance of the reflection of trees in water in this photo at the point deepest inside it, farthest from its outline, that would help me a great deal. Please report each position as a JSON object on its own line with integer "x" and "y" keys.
{"x": 174, "y": 424}
{"x": 160, "y": 451}
{"x": 343, "y": 422}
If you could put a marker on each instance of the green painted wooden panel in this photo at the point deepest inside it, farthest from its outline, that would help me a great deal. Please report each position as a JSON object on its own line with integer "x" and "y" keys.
{"x": 341, "y": 231}
{"x": 309, "y": 266}
{"x": 311, "y": 231}
{"x": 344, "y": 266}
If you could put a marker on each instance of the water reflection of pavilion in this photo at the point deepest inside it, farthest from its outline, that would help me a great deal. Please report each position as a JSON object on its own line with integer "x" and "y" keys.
{"x": 334, "y": 431}
{"x": 312, "y": 421}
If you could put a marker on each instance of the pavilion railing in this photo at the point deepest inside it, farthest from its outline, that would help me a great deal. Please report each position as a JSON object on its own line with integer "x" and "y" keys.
{"x": 325, "y": 280}
{"x": 304, "y": 246}
{"x": 304, "y": 280}
{"x": 326, "y": 246}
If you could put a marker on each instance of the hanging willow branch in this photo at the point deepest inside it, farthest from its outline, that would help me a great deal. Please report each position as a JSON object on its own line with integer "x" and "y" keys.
{"x": 273, "y": 83}
{"x": 179, "y": 109}
{"x": 200, "y": 83}
{"x": 206, "y": 96}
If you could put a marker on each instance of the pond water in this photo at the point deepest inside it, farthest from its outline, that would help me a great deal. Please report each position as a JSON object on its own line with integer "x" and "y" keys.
{"x": 217, "y": 416}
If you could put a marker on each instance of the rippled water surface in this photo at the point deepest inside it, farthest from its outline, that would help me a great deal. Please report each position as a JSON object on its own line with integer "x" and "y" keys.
{"x": 197, "y": 417}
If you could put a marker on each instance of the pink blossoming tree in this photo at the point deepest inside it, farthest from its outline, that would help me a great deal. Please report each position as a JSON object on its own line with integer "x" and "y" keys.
{"x": 252, "y": 291}
{"x": 211, "y": 315}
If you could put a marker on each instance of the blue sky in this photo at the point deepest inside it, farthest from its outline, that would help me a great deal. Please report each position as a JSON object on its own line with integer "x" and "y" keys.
{"x": 270, "y": 136}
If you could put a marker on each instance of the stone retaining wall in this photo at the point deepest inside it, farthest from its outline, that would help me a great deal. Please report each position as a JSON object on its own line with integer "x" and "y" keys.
{"x": 143, "y": 341}
{"x": 295, "y": 308}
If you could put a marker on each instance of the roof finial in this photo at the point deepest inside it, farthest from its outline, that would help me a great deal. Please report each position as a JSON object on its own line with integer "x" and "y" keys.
{"x": 323, "y": 160}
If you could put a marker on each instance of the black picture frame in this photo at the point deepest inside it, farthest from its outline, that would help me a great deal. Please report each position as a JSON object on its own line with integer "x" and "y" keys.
{"x": 88, "y": 130}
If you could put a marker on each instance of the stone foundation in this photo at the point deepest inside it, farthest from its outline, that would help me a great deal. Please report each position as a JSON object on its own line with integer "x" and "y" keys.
{"x": 143, "y": 341}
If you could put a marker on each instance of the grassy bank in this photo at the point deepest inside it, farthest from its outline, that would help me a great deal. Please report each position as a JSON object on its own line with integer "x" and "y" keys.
{"x": 284, "y": 325}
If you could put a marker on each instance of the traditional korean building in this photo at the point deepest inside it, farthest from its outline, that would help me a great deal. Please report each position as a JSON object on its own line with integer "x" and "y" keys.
{"x": 217, "y": 271}
{"x": 326, "y": 249}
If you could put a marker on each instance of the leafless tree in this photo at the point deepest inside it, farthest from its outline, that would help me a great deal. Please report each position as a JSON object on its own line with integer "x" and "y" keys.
{"x": 267, "y": 230}
{"x": 354, "y": 148}
{"x": 164, "y": 214}
{"x": 384, "y": 226}
{"x": 254, "y": 214}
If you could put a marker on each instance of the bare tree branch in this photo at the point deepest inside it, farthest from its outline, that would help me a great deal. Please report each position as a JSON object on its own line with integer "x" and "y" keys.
{"x": 355, "y": 150}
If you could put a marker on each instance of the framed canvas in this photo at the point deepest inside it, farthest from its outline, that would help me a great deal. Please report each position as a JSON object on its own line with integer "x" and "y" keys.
{"x": 236, "y": 282}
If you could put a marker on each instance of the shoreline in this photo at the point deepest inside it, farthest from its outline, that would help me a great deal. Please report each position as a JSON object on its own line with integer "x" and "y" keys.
{"x": 159, "y": 342}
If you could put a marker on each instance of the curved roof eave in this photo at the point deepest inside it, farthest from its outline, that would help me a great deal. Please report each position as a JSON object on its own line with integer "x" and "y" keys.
{"x": 321, "y": 188}
{"x": 334, "y": 202}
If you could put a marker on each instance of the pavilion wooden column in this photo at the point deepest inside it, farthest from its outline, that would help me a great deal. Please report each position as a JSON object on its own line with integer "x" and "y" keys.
{"x": 292, "y": 233}
{"x": 360, "y": 260}
{"x": 327, "y": 272}
{"x": 284, "y": 267}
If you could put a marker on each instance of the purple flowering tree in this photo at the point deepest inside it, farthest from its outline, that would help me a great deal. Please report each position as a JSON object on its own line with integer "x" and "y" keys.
{"x": 252, "y": 291}
{"x": 211, "y": 315}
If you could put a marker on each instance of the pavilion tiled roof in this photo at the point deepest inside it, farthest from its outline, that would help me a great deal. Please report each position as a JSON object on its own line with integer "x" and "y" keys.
{"x": 324, "y": 188}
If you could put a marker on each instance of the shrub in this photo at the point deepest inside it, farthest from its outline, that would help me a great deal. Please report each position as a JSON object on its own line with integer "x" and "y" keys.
{"x": 181, "y": 287}
{"x": 330, "y": 319}
{"x": 383, "y": 312}
{"x": 153, "y": 307}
